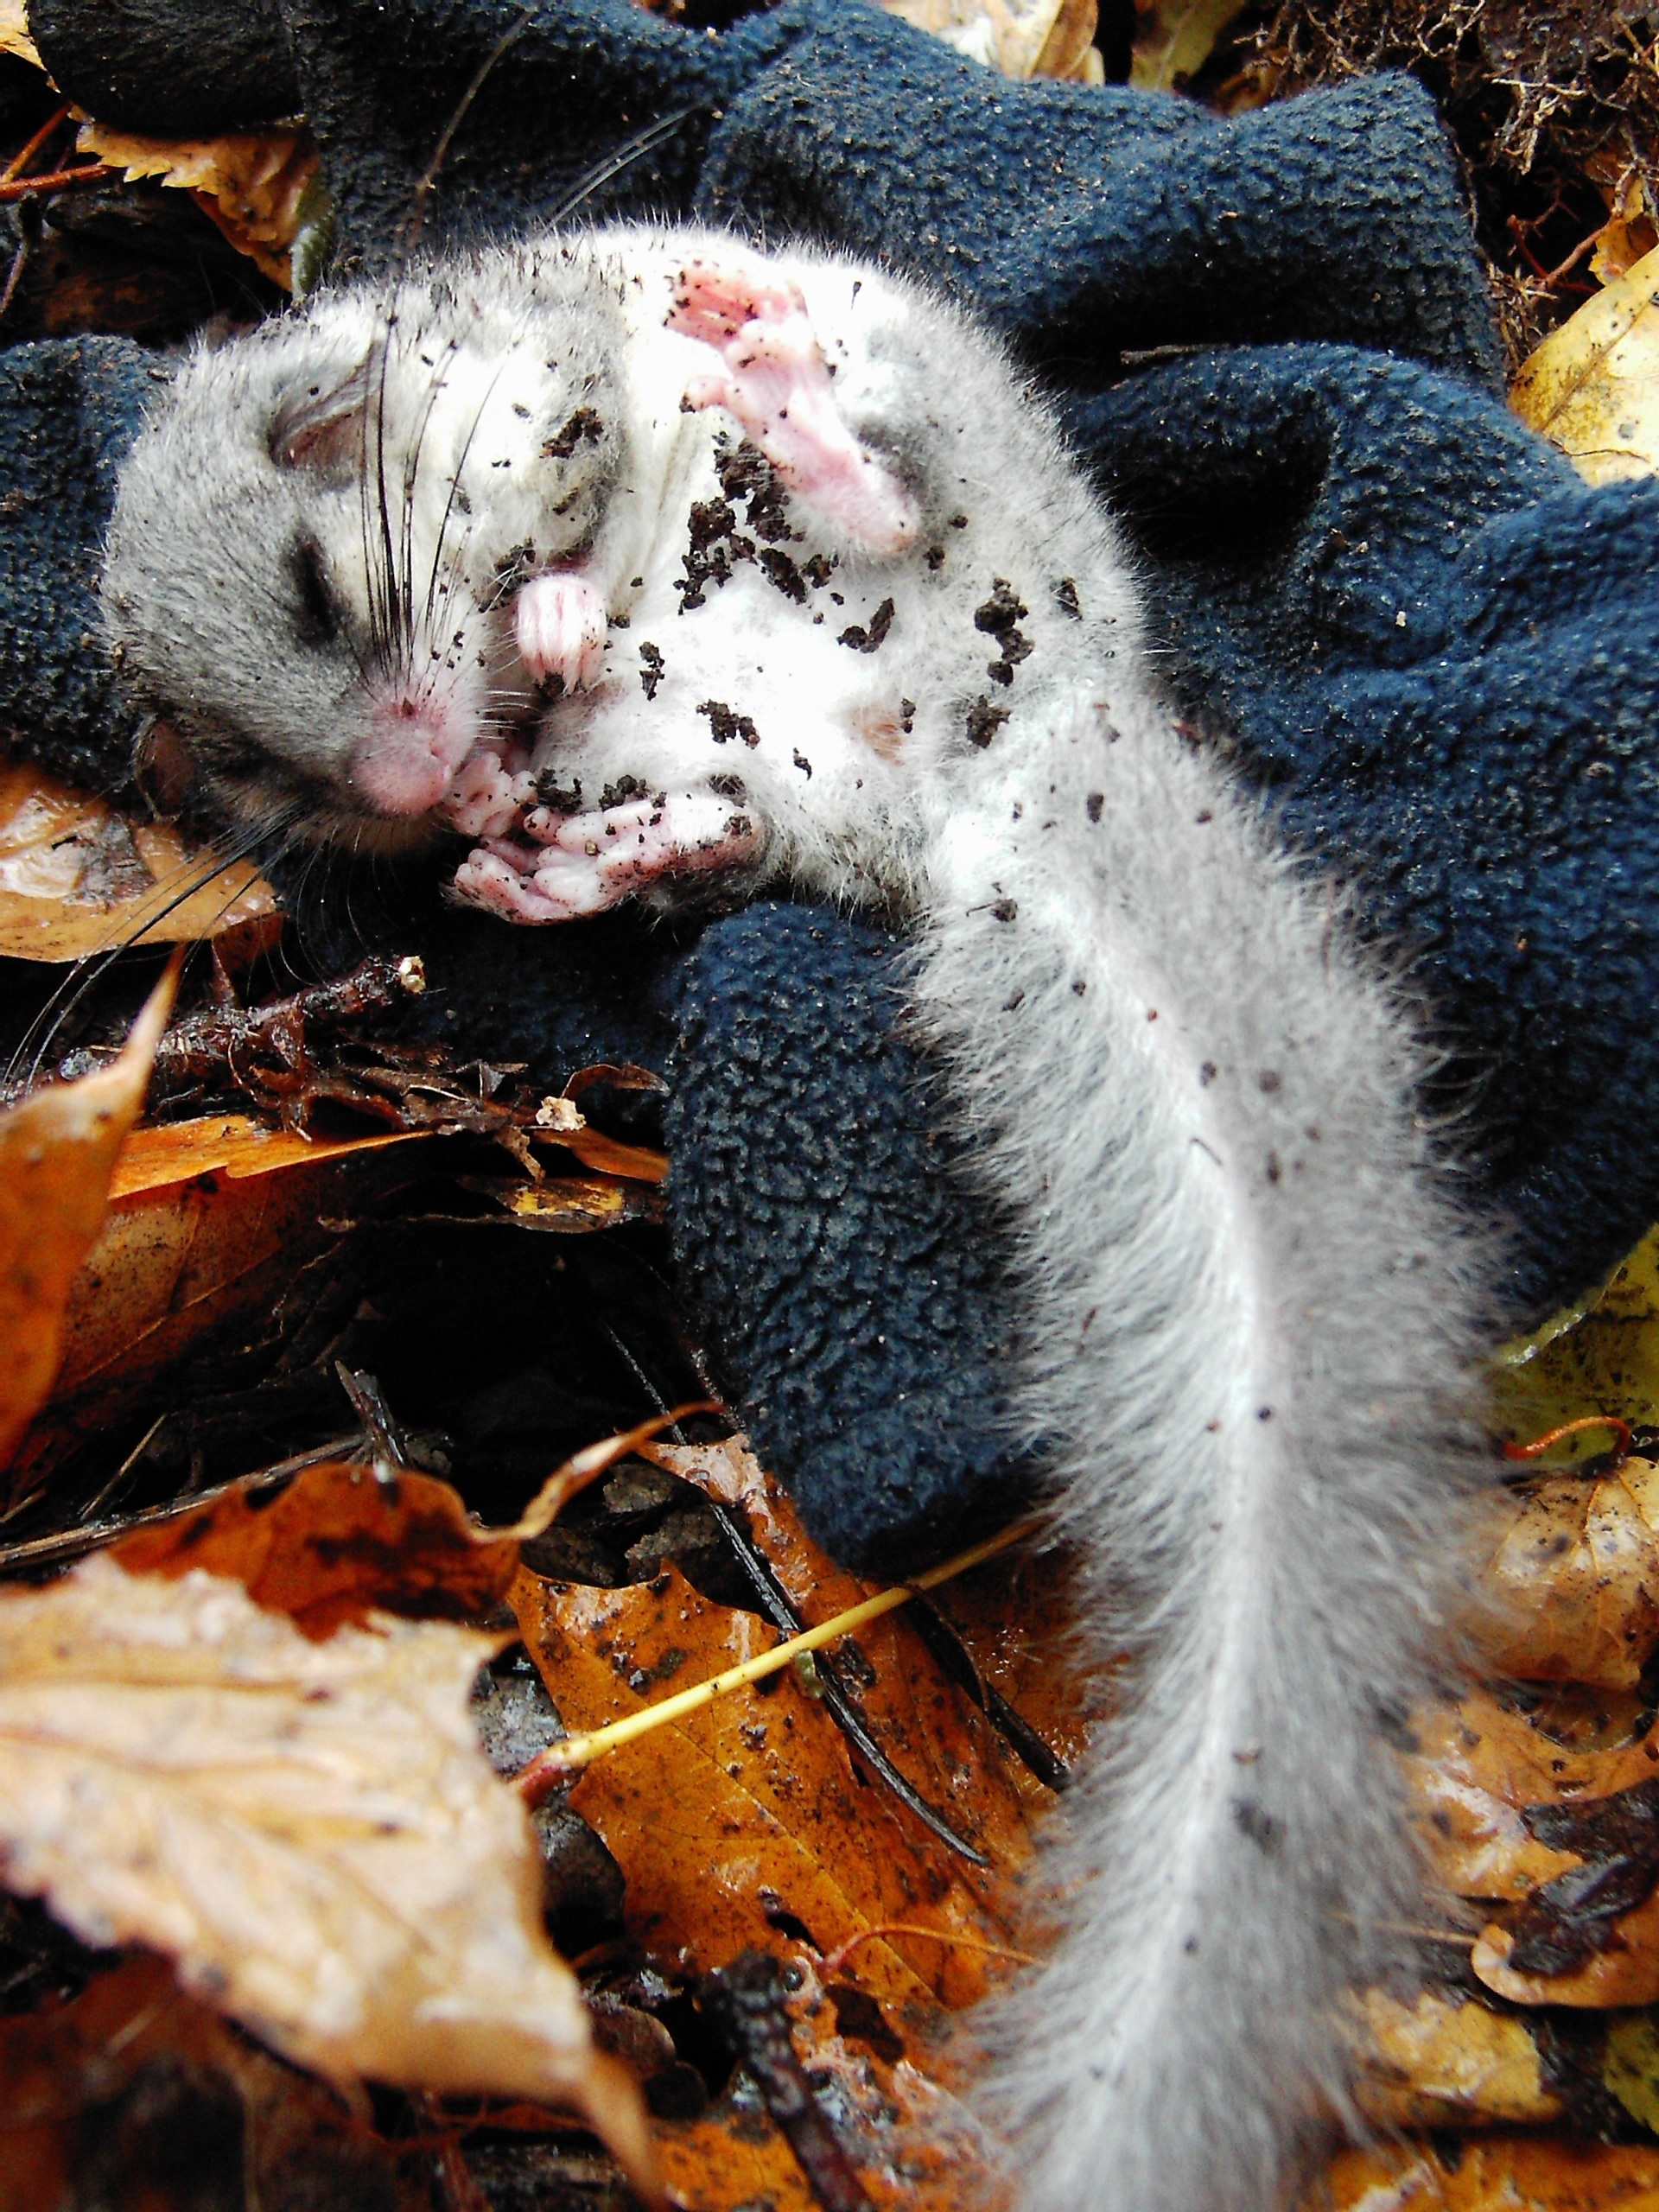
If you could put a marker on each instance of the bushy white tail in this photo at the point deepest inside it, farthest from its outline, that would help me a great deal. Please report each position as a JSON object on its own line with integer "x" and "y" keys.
{"x": 1247, "y": 1328}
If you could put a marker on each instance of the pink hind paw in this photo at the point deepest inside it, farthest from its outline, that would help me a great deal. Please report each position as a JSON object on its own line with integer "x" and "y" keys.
{"x": 775, "y": 380}
{"x": 558, "y": 623}
{"x": 563, "y": 866}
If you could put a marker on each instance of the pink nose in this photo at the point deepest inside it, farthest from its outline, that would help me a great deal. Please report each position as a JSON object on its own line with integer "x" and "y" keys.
{"x": 404, "y": 764}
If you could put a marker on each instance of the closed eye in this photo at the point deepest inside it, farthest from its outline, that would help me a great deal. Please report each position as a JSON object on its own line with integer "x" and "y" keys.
{"x": 319, "y": 617}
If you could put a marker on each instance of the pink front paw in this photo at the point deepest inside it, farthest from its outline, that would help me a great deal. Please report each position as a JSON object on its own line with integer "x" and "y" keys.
{"x": 775, "y": 380}
{"x": 558, "y": 623}
{"x": 563, "y": 866}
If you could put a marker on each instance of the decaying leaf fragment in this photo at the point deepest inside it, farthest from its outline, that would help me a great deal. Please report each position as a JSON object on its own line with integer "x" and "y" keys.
{"x": 1593, "y": 387}
{"x": 76, "y": 877}
{"x": 1500, "y": 2173}
{"x": 57, "y": 1150}
{"x": 310, "y": 1831}
{"x": 1573, "y": 1568}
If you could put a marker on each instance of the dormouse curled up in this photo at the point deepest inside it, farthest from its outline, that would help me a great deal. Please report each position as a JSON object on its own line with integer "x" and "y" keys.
{"x": 641, "y": 565}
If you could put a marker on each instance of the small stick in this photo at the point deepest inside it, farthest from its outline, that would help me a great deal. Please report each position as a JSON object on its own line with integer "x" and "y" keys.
{"x": 548, "y": 1769}
{"x": 747, "y": 1998}
{"x": 1621, "y": 1430}
{"x": 20, "y": 188}
{"x": 19, "y": 163}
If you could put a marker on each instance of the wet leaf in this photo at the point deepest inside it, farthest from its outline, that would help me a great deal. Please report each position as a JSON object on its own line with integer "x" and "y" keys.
{"x": 310, "y": 1831}
{"x": 1518, "y": 1964}
{"x": 1499, "y": 2174}
{"x": 334, "y": 1546}
{"x": 1013, "y": 1615}
{"x": 57, "y": 1150}
{"x": 1446, "y": 2060}
{"x": 1573, "y": 1568}
{"x": 1476, "y": 1766}
{"x": 1593, "y": 387}
{"x": 133, "y": 2070}
{"x": 779, "y": 1839}
{"x": 253, "y": 184}
{"x": 76, "y": 877}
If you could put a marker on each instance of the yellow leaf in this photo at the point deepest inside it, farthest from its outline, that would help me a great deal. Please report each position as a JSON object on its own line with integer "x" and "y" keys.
{"x": 1502, "y": 2173}
{"x": 1446, "y": 2061}
{"x": 252, "y": 183}
{"x": 1593, "y": 387}
{"x": 14, "y": 33}
{"x": 1173, "y": 39}
{"x": 1573, "y": 1569}
{"x": 1600, "y": 1356}
{"x": 310, "y": 1831}
{"x": 57, "y": 1150}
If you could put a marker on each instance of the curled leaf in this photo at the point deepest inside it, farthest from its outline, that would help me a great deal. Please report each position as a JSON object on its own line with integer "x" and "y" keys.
{"x": 310, "y": 1831}
{"x": 57, "y": 1151}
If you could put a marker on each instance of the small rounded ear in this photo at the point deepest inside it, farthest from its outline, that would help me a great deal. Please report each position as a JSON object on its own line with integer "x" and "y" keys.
{"x": 324, "y": 428}
{"x": 164, "y": 769}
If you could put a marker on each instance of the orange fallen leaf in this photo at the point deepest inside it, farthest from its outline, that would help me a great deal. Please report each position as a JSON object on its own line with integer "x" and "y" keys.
{"x": 75, "y": 2076}
{"x": 310, "y": 1831}
{"x": 1625, "y": 1974}
{"x": 76, "y": 877}
{"x": 777, "y": 1829}
{"x": 57, "y": 1150}
{"x": 335, "y": 1545}
{"x": 232, "y": 1145}
{"x": 1013, "y": 1616}
{"x": 174, "y": 1266}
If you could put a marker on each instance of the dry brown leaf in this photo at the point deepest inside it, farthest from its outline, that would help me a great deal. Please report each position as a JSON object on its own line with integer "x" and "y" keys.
{"x": 1018, "y": 38}
{"x": 14, "y": 33}
{"x": 1593, "y": 387}
{"x": 57, "y": 1150}
{"x": 334, "y": 1546}
{"x": 1572, "y": 1569}
{"x": 133, "y": 2063}
{"x": 310, "y": 1831}
{"x": 1445, "y": 2061}
{"x": 76, "y": 877}
{"x": 251, "y": 183}
{"x": 1499, "y": 2174}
